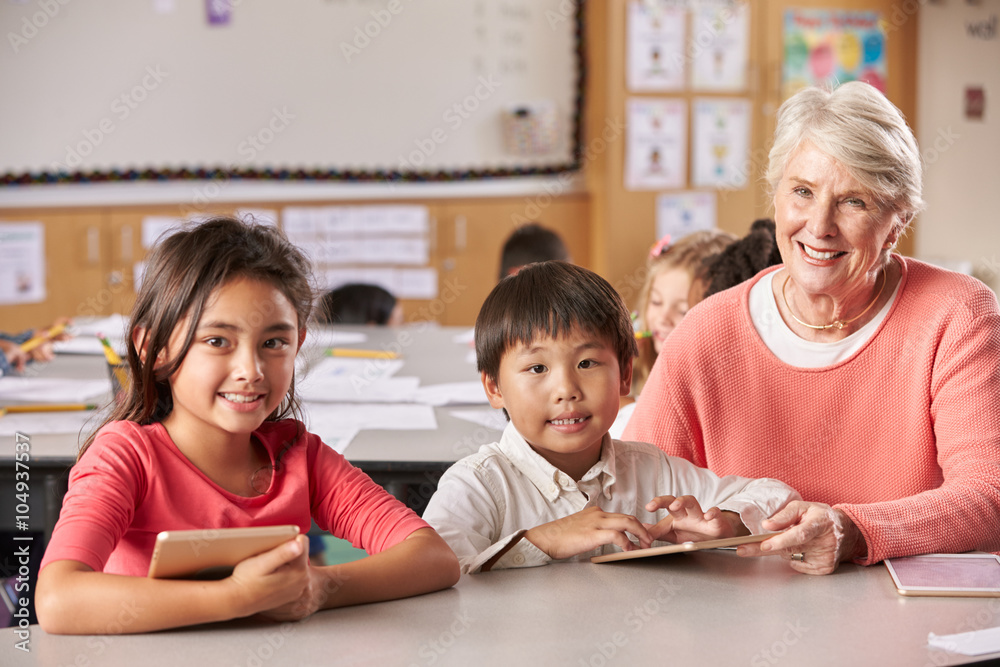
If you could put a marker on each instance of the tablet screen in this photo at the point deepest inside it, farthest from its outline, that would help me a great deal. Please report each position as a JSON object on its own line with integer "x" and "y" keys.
{"x": 947, "y": 574}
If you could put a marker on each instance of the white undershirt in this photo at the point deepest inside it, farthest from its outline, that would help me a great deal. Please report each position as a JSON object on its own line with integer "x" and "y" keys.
{"x": 795, "y": 351}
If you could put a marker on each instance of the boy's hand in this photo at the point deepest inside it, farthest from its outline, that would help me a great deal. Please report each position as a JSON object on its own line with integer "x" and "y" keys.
{"x": 272, "y": 579}
{"x": 586, "y": 530}
{"x": 687, "y": 523}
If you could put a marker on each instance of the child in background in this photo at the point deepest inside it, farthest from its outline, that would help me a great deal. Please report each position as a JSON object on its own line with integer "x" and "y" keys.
{"x": 528, "y": 244}
{"x": 360, "y": 303}
{"x": 554, "y": 345}
{"x": 14, "y": 358}
{"x": 663, "y": 298}
{"x": 740, "y": 261}
{"x": 204, "y": 440}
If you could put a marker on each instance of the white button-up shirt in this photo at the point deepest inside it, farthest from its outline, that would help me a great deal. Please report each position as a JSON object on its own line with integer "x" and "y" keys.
{"x": 487, "y": 501}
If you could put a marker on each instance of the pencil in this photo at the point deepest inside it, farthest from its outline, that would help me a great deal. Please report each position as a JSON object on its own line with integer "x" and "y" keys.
{"x": 48, "y": 334}
{"x": 362, "y": 354}
{"x": 47, "y": 407}
{"x": 109, "y": 352}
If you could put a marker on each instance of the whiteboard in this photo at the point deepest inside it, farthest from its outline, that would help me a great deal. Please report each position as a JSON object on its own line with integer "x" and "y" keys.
{"x": 301, "y": 89}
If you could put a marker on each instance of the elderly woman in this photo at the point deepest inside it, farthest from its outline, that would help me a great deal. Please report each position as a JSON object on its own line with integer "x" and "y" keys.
{"x": 868, "y": 381}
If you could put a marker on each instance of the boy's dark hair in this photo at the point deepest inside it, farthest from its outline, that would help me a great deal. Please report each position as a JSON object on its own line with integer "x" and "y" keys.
{"x": 548, "y": 299}
{"x": 742, "y": 260}
{"x": 356, "y": 303}
{"x": 528, "y": 244}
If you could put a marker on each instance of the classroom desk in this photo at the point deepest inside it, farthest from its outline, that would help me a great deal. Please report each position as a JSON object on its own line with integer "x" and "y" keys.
{"x": 709, "y": 608}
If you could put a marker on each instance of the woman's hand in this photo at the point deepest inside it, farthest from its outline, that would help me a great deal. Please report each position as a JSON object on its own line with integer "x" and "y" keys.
{"x": 687, "y": 523}
{"x": 824, "y": 536}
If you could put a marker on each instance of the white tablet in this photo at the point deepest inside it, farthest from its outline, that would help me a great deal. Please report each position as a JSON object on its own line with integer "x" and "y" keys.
{"x": 681, "y": 548}
{"x": 212, "y": 553}
{"x": 947, "y": 575}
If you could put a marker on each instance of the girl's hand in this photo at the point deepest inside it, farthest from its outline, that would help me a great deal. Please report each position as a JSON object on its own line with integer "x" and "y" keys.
{"x": 271, "y": 579}
{"x": 586, "y": 530}
{"x": 687, "y": 523}
{"x": 15, "y": 356}
{"x": 822, "y": 535}
{"x": 45, "y": 351}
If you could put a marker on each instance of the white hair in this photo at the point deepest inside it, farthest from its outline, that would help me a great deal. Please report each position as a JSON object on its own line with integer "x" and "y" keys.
{"x": 859, "y": 128}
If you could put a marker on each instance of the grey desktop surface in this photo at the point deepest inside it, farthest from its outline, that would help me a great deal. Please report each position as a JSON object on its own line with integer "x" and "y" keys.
{"x": 706, "y": 608}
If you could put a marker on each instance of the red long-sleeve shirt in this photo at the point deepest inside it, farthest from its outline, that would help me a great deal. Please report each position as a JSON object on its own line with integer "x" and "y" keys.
{"x": 133, "y": 482}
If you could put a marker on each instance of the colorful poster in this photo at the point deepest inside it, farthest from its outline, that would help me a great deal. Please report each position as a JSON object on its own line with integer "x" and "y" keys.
{"x": 721, "y": 138}
{"x": 656, "y": 144}
{"x": 830, "y": 47}
{"x": 720, "y": 45}
{"x": 681, "y": 213}
{"x": 655, "y": 36}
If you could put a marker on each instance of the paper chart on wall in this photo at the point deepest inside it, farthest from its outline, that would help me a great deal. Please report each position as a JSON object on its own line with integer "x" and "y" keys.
{"x": 656, "y": 145}
{"x": 158, "y": 227}
{"x": 22, "y": 262}
{"x": 682, "y": 213}
{"x": 721, "y": 137}
{"x": 720, "y": 49}
{"x": 655, "y": 46}
{"x": 403, "y": 283}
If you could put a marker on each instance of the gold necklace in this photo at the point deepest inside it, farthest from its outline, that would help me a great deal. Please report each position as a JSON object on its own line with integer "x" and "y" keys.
{"x": 840, "y": 324}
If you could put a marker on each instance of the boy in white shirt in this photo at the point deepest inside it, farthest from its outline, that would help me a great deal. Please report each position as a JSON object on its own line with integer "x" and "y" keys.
{"x": 554, "y": 348}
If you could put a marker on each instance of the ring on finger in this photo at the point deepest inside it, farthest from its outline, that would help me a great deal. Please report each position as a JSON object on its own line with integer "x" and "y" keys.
{"x": 799, "y": 557}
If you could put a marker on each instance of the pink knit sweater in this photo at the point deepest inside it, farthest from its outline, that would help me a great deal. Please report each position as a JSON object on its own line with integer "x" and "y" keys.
{"x": 904, "y": 436}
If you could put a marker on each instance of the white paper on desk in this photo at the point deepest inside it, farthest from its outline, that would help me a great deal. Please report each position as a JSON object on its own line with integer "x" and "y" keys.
{"x": 388, "y": 390}
{"x": 88, "y": 345}
{"x": 491, "y": 418}
{"x": 976, "y": 642}
{"x": 323, "y": 337}
{"x": 34, "y": 423}
{"x": 452, "y": 393}
{"x": 339, "y": 417}
{"x": 112, "y": 326}
{"x": 354, "y": 370}
{"x": 51, "y": 390}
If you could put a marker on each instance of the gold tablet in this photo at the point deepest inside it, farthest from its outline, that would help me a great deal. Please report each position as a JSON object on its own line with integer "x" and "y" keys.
{"x": 947, "y": 575}
{"x": 680, "y": 548}
{"x": 212, "y": 553}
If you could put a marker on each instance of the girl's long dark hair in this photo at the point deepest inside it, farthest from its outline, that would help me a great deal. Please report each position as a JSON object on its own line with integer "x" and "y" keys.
{"x": 182, "y": 273}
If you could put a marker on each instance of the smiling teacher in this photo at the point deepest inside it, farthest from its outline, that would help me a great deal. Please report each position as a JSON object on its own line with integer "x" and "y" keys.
{"x": 868, "y": 381}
